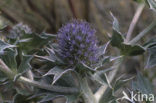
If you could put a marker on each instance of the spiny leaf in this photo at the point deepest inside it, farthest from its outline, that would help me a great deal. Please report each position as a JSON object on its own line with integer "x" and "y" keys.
{"x": 120, "y": 82}
{"x": 57, "y": 72}
{"x": 108, "y": 96}
{"x": 117, "y": 40}
{"x": 142, "y": 84}
{"x": 25, "y": 63}
{"x": 104, "y": 60}
{"x": 152, "y": 4}
{"x": 32, "y": 43}
{"x": 117, "y": 37}
{"x": 4, "y": 45}
{"x": 83, "y": 67}
{"x": 150, "y": 43}
{"x": 52, "y": 57}
{"x": 100, "y": 77}
{"x": 102, "y": 49}
{"x": 115, "y": 23}
{"x": 131, "y": 50}
{"x": 9, "y": 58}
{"x": 151, "y": 49}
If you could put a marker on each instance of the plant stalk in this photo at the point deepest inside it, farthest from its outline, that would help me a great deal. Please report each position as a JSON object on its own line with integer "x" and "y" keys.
{"x": 57, "y": 89}
{"x": 143, "y": 33}
{"x": 87, "y": 92}
{"x": 134, "y": 21}
{"x": 68, "y": 90}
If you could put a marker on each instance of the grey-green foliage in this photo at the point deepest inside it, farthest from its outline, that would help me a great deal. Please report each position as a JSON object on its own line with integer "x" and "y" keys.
{"x": 39, "y": 53}
{"x": 152, "y": 4}
{"x": 118, "y": 40}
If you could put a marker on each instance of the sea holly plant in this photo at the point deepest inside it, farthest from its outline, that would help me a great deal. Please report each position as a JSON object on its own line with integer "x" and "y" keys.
{"x": 71, "y": 64}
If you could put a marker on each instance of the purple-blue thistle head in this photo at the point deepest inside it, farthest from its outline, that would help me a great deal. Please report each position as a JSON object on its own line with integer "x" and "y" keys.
{"x": 77, "y": 42}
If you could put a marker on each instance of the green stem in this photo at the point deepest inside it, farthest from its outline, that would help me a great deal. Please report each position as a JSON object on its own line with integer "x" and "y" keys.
{"x": 4, "y": 68}
{"x": 87, "y": 93}
{"x": 57, "y": 89}
{"x": 145, "y": 31}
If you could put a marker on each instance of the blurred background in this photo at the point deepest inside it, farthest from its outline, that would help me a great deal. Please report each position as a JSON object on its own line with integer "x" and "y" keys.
{"x": 50, "y": 15}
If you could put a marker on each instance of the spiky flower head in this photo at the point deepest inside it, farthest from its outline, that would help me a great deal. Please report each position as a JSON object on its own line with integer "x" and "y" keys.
{"x": 77, "y": 42}
{"x": 19, "y": 29}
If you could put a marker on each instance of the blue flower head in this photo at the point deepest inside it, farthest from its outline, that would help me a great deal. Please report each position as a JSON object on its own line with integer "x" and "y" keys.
{"x": 77, "y": 42}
